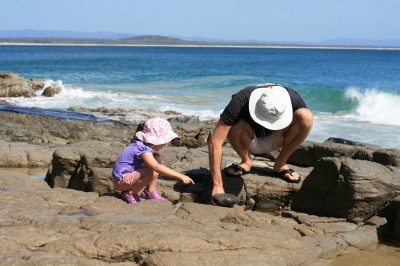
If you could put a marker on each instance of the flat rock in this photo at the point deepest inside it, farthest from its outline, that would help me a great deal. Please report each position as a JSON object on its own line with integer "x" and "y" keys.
{"x": 59, "y": 226}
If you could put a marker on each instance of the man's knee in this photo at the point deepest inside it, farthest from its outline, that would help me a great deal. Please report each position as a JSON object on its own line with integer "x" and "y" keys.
{"x": 240, "y": 130}
{"x": 303, "y": 117}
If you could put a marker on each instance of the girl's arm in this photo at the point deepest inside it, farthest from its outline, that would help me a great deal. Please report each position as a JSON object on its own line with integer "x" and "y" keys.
{"x": 151, "y": 162}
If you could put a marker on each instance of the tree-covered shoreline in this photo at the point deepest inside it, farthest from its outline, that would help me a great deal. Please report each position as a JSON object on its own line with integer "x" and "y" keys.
{"x": 165, "y": 41}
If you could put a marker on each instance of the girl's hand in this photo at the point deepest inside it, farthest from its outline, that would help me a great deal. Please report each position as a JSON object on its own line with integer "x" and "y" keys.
{"x": 185, "y": 179}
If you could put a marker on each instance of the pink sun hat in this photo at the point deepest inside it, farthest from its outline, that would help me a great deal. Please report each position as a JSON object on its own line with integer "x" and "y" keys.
{"x": 156, "y": 131}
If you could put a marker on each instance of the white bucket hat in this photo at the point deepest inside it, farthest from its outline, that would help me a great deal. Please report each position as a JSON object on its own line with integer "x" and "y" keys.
{"x": 271, "y": 107}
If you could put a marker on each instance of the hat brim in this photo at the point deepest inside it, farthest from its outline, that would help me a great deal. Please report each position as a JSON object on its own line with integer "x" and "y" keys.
{"x": 156, "y": 140}
{"x": 259, "y": 118}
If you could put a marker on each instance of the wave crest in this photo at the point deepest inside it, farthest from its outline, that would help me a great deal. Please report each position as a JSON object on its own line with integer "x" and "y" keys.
{"x": 375, "y": 106}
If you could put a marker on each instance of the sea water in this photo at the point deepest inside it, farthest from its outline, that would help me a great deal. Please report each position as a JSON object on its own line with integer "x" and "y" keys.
{"x": 353, "y": 93}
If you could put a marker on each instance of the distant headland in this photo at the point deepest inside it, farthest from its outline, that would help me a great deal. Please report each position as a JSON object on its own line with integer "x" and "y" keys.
{"x": 154, "y": 40}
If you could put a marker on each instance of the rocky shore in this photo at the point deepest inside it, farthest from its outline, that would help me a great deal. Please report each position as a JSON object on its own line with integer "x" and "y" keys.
{"x": 348, "y": 199}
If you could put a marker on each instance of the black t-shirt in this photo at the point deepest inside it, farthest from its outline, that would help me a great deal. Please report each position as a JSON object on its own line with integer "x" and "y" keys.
{"x": 238, "y": 108}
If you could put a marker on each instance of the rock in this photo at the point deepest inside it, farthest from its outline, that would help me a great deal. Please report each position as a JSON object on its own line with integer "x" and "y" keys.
{"x": 9, "y": 75}
{"x": 349, "y": 142}
{"x": 309, "y": 153}
{"x": 396, "y": 231}
{"x": 352, "y": 189}
{"x": 387, "y": 157}
{"x": 59, "y": 130}
{"x": 392, "y": 214}
{"x": 51, "y": 90}
{"x": 12, "y": 85}
{"x": 24, "y": 155}
{"x": 366, "y": 186}
{"x": 225, "y": 200}
{"x": 87, "y": 166}
{"x": 58, "y": 225}
{"x": 84, "y": 166}
{"x": 331, "y": 212}
{"x": 37, "y": 84}
{"x": 19, "y": 127}
{"x": 362, "y": 238}
{"x": 192, "y": 135}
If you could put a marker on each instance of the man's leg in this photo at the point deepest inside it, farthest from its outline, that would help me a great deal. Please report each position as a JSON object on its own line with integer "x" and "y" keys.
{"x": 293, "y": 136}
{"x": 240, "y": 137}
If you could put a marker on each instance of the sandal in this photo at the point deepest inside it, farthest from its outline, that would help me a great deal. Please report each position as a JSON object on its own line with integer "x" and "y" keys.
{"x": 236, "y": 168}
{"x": 151, "y": 195}
{"x": 283, "y": 175}
{"x": 130, "y": 198}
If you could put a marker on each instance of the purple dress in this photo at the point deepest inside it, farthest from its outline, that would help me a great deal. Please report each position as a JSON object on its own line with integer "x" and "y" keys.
{"x": 129, "y": 160}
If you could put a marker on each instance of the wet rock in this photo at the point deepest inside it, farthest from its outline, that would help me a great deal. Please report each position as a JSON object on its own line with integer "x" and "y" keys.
{"x": 13, "y": 85}
{"x": 38, "y": 84}
{"x": 51, "y": 90}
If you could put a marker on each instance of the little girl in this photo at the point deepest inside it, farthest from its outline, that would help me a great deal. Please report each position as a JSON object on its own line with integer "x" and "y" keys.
{"x": 138, "y": 167}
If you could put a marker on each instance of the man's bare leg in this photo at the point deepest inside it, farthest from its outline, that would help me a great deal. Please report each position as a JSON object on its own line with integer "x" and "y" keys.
{"x": 240, "y": 137}
{"x": 294, "y": 135}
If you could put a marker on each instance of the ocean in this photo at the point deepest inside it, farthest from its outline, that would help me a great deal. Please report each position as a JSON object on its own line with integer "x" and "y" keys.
{"x": 353, "y": 93}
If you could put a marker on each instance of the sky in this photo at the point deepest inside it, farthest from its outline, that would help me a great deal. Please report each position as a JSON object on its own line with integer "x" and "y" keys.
{"x": 231, "y": 20}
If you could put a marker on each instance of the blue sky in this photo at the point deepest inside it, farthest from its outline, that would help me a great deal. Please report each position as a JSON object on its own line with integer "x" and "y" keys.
{"x": 261, "y": 20}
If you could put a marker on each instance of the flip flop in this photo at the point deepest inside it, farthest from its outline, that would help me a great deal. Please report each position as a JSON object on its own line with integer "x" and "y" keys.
{"x": 282, "y": 175}
{"x": 224, "y": 200}
{"x": 236, "y": 168}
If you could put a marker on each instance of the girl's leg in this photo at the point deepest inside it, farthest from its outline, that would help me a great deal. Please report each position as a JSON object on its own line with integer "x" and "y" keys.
{"x": 144, "y": 182}
{"x": 143, "y": 179}
{"x": 138, "y": 180}
{"x": 127, "y": 185}
{"x": 150, "y": 191}
{"x": 132, "y": 183}
{"x": 152, "y": 184}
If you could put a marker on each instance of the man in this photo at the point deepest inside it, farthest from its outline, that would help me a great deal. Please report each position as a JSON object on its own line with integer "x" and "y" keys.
{"x": 259, "y": 119}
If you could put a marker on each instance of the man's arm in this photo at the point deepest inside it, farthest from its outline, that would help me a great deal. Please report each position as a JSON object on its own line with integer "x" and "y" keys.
{"x": 215, "y": 155}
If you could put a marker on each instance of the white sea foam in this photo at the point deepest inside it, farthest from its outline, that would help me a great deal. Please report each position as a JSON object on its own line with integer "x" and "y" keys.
{"x": 328, "y": 125}
{"x": 372, "y": 105}
{"x": 375, "y": 118}
{"x": 369, "y": 106}
{"x": 74, "y": 96}
{"x": 68, "y": 97}
{"x": 202, "y": 114}
{"x": 375, "y": 106}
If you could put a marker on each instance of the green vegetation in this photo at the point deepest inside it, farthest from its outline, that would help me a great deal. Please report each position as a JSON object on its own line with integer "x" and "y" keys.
{"x": 139, "y": 40}
{"x": 155, "y": 40}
